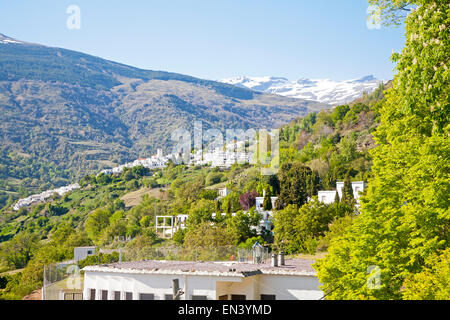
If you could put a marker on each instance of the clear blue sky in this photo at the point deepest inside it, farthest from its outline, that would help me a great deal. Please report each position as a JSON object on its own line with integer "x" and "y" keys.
{"x": 215, "y": 39}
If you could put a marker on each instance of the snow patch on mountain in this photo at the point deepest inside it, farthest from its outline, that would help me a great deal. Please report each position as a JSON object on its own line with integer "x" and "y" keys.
{"x": 5, "y": 40}
{"x": 322, "y": 90}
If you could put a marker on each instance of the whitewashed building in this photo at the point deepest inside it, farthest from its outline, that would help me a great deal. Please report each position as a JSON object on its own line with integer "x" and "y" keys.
{"x": 152, "y": 280}
{"x": 80, "y": 253}
{"x": 330, "y": 195}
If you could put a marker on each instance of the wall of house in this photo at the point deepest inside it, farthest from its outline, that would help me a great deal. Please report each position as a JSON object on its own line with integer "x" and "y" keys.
{"x": 289, "y": 287}
{"x": 326, "y": 197}
{"x": 157, "y": 284}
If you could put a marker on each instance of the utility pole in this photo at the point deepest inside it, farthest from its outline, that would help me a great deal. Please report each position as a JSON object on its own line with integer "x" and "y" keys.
{"x": 156, "y": 222}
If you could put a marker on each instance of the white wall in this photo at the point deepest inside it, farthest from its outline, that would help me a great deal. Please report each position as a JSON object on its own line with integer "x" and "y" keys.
{"x": 326, "y": 197}
{"x": 158, "y": 284}
{"x": 290, "y": 287}
{"x": 283, "y": 286}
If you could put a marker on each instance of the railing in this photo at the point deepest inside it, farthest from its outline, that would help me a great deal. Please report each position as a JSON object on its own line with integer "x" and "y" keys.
{"x": 228, "y": 253}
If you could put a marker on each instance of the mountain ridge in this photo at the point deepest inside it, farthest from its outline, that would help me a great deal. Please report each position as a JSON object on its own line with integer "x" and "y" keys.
{"x": 322, "y": 90}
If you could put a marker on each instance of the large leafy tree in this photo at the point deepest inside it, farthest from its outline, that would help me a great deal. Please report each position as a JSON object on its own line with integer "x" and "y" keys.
{"x": 295, "y": 182}
{"x": 405, "y": 216}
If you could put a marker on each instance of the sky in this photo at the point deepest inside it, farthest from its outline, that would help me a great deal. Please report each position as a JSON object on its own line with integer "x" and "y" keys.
{"x": 215, "y": 39}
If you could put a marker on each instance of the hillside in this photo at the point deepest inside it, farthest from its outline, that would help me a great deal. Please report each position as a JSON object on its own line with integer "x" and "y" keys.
{"x": 65, "y": 114}
{"x": 107, "y": 206}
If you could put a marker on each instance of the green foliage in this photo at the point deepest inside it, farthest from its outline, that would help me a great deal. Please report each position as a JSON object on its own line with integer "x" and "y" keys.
{"x": 243, "y": 224}
{"x": 231, "y": 203}
{"x": 267, "y": 203}
{"x": 213, "y": 178}
{"x": 300, "y": 230}
{"x": 178, "y": 236}
{"x": 433, "y": 282}
{"x": 208, "y": 234}
{"x": 296, "y": 184}
{"x": 347, "y": 191}
{"x": 201, "y": 211}
{"x": 248, "y": 244}
{"x": 19, "y": 250}
{"x": 96, "y": 222}
{"x": 404, "y": 216}
{"x": 101, "y": 258}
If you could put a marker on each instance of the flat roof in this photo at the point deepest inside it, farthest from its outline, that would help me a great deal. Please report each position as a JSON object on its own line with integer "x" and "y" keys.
{"x": 301, "y": 267}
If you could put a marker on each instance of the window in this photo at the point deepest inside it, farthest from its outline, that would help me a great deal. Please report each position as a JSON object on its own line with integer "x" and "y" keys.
{"x": 324, "y": 198}
{"x": 168, "y": 297}
{"x": 199, "y": 298}
{"x": 268, "y": 297}
{"x": 116, "y": 295}
{"x": 224, "y": 297}
{"x": 92, "y": 294}
{"x": 238, "y": 297}
{"x": 146, "y": 296}
{"x": 73, "y": 296}
{"x": 128, "y": 295}
{"x": 104, "y": 294}
{"x": 89, "y": 252}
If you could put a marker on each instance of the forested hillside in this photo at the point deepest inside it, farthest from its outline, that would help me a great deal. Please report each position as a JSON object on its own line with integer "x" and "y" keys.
{"x": 65, "y": 114}
{"x": 101, "y": 209}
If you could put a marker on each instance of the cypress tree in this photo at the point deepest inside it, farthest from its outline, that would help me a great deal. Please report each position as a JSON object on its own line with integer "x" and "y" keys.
{"x": 267, "y": 204}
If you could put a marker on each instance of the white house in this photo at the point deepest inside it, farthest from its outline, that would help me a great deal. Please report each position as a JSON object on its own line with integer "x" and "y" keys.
{"x": 80, "y": 253}
{"x": 223, "y": 192}
{"x": 152, "y": 280}
{"x": 329, "y": 195}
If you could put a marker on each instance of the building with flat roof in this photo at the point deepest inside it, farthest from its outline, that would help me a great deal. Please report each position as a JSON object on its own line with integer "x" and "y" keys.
{"x": 328, "y": 196}
{"x": 152, "y": 280}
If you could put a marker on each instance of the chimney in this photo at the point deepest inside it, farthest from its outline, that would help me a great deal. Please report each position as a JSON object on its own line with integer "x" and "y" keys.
{"x": 281, "y": 258}
{"x": 274, "y": 260}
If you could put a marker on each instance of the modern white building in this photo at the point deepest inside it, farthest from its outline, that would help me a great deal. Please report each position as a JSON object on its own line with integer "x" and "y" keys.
{"x": 330, "y": 195}
{"x": 152, "y": 280}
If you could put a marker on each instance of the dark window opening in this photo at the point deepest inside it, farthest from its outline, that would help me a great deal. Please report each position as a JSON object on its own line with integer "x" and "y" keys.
{"x": 199, "y": 298}
{"x": 146, "y": 296}
{"x": 268, "y": 297}
{"x": 128, "y": 295}
{"x": 92, "y": 294}
{"x": 104, "y": 294}
{"x": 116, "y": 295}
{"x": 238, "y": 297}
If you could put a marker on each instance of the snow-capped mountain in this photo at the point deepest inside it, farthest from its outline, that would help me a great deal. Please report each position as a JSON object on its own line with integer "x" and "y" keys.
{"x": 322, "y": 90}
{"x": 5, "y": 40}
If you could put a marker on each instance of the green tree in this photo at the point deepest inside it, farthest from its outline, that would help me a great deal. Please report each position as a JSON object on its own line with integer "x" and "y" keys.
{"x": 404, "y": 216}
{"x": 347, "y": 191}
{"x": 433, "y": 282}
{"x": 294, "y": 179}
{"x": 267, "y": 203}
{"x": 244, "y": 224}
{"x": 19, "y": 250}
{"x": 208, "y": 234}
{"x": 96, "y": 222}
{"x": 201, "y": 211}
